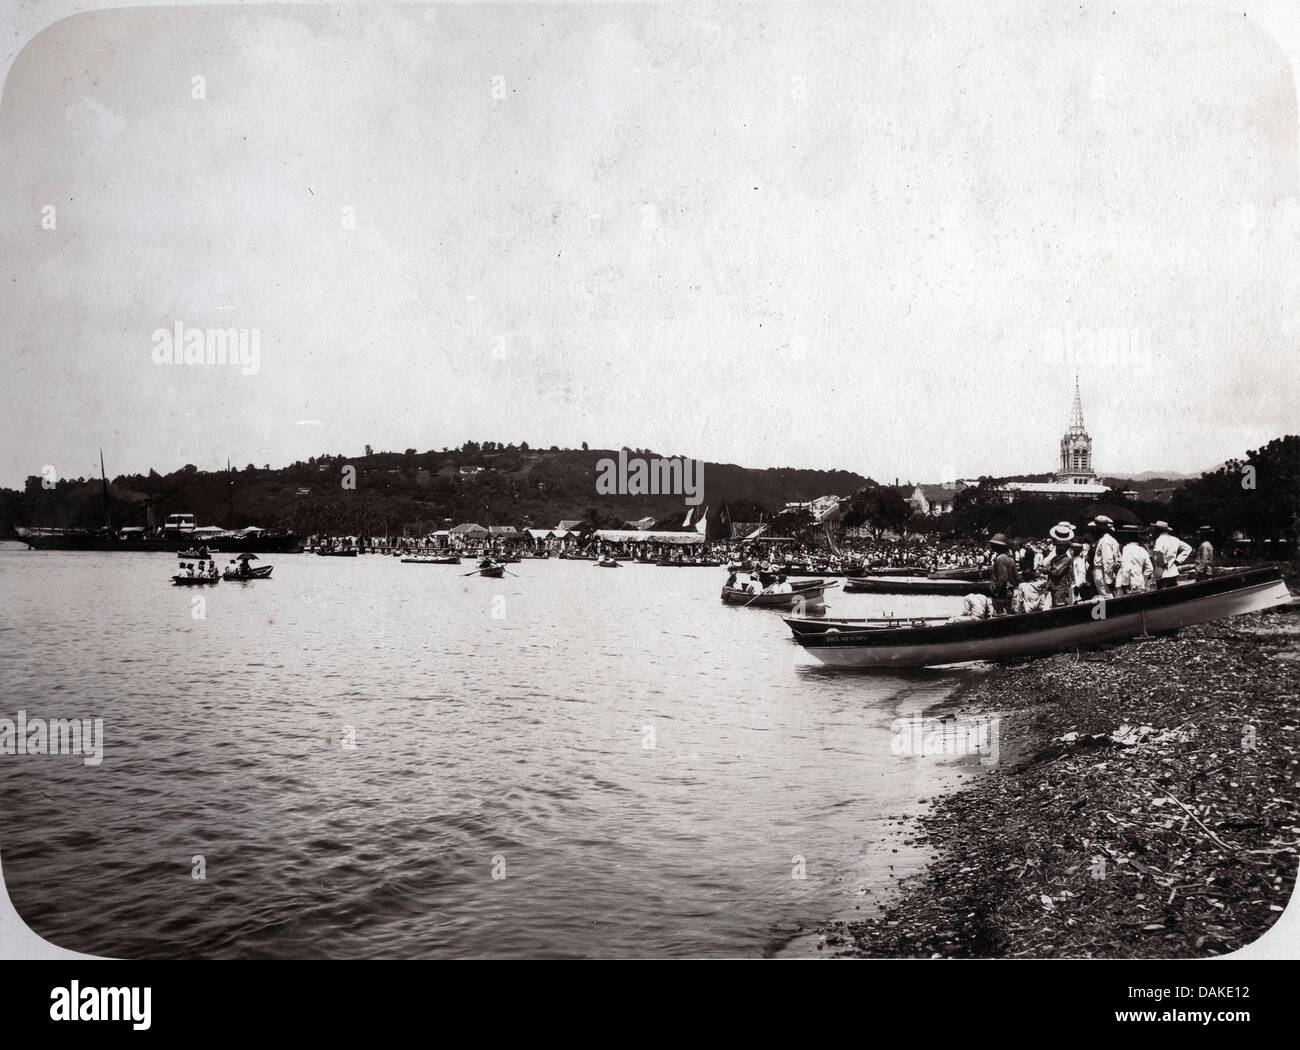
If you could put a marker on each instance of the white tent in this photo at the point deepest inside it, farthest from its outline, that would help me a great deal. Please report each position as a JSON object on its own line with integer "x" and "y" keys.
{"x": 688, "y": 539}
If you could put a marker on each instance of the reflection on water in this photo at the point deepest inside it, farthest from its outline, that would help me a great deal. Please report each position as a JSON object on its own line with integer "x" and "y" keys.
{"x": 566, "y": 762}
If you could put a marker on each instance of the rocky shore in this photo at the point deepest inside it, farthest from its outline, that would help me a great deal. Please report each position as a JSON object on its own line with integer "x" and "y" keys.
{"x": 1145, "y": 806}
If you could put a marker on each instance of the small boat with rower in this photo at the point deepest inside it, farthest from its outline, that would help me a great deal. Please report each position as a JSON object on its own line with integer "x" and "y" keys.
{"x": 243, "y": 572}
{"x": 488, "y": 567}
{"x": 803, "y": 593}
{"x": 608, "y": 563}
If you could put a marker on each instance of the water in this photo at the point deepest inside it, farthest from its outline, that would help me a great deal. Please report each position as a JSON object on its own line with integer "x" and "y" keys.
{"x": 642, "y": 764}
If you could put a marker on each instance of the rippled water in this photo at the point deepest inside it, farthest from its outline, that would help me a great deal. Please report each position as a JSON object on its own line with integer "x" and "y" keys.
{"x": 501, "y": 727}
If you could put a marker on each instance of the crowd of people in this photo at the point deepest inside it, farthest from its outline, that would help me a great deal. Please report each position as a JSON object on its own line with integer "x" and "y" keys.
{"x": 201, "y": 569}
{"x": 1096, "y": 562}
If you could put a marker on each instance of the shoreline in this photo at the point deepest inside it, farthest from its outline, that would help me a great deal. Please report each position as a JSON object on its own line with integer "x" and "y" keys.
{"x": 1145, "y": 806}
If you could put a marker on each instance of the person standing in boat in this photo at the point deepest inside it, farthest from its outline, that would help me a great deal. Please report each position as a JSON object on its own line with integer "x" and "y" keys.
{"x": 1169, "y": 553}
{"x": 1105, "y": 566}
{"x": 1026, "y": 561}
{"x": 1204, "y": 553}
{"x": 1005, "y": 578}
{"x": 1079, "y": 555}
{"x": 1136, "y": 571}
{"x": 1060, "y": 569}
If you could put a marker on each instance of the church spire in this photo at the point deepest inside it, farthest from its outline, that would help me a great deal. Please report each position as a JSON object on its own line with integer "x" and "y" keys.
{"x": 1076, "y": 411}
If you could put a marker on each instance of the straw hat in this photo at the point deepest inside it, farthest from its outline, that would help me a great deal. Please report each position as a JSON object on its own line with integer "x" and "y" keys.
{"x": 1162, "y": 526}
{"x": 1102, "y": 519}
{"x": 1061, "y": 532}
{"x": 998, "y": 540}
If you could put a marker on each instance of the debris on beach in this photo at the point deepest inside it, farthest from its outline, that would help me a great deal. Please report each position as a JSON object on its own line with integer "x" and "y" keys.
{"x": 1150, "y": 808}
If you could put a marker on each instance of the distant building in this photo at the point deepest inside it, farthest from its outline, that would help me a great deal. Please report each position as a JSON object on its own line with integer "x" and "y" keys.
{"x": 1076, "y": 448}
{"x": 1074, "y": 478}
{"x": 569, "y": 526}
{"x": 933, "y": 500}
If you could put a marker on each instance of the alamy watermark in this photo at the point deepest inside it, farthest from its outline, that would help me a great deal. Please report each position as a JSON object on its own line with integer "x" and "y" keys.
{"x": 1128, "y": 349}
{"x": 948, "y": 736}
{"x": 55, "y": 736}
{"x": 651, "y": 476}
{"x": 179, "y": 345}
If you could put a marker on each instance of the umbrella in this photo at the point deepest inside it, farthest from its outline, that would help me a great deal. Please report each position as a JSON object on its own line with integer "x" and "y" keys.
{"x": 246, "y": 557}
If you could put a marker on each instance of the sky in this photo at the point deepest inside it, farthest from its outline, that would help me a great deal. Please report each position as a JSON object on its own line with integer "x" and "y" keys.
{"x": 876, "y": 237}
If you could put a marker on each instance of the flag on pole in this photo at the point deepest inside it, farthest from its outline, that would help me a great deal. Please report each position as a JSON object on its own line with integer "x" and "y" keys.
{"x": 702, "y": 522}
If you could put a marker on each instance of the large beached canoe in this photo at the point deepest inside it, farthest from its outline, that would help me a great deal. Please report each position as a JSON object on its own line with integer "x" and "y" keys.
{"x": 913, "y": 585}
{"x": 858, "y": 644}
{"x": 806, "y": 592}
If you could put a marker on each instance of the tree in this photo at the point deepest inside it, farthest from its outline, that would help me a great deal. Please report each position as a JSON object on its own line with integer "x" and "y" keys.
{"x": 1258, "y": 496}
{"x": 369, "y": 451}
{"x": 878, "y": 509}
{"x": 584, "y": 446}
{"x": 980, "y": 509}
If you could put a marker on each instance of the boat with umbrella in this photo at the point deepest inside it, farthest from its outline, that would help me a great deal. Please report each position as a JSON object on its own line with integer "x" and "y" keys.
{"x": 924, "y": 642}
{"x": 244, "y": 572}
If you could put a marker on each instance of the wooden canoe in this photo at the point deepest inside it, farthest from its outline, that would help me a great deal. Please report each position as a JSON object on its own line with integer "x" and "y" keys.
{"x": 262, "y": 572}
{"x": 913, "y": 585}
{"x": 805, "y": 592}
{"x": 847, "y": 644}
{"x": 194, "y": 581}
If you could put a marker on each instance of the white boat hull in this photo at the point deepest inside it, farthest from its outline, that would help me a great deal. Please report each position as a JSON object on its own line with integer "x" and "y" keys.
{"x": 1114, "y": 624}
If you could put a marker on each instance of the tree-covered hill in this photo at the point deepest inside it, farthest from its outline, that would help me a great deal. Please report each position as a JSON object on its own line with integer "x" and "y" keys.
{"x": 391, "y": 492}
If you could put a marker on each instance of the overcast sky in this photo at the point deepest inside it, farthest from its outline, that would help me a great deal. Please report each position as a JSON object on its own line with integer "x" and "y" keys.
{"x": 865, "y": 236}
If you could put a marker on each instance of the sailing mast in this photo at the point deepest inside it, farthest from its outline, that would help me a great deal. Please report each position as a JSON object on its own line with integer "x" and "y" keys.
{"x": 108, "y": 521}
{"x": 230, "y": 485}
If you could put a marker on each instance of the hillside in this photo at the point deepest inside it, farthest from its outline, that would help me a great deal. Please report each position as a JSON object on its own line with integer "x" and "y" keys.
{"x": 408, "y": 491}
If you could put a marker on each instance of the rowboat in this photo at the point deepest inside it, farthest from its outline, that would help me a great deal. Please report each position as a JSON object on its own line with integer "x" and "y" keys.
{"x": 449, "y": 559}
{"x": 608, "y": 563}
{"x": 493, "y": 570}
{"x": 913, "y": 585}
{"x": 967, "y": 572}
{"x": 803, "y": 593}
{"x": 904, "y": 643}
{"x": 896, "y": 570}
{"x": 344, "y": 552}
{"x": 194, "y": 581}
{"x": 262, "y": 572}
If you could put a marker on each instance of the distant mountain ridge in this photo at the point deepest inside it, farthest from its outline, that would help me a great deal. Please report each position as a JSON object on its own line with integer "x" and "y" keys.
{"x": 380, "y": 493}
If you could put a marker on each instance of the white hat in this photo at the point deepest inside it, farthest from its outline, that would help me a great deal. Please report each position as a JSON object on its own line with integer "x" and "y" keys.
{"x": 1062, "y": 532}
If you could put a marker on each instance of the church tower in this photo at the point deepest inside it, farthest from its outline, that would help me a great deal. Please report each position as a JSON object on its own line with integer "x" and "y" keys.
{"x": 1076, "y": 448}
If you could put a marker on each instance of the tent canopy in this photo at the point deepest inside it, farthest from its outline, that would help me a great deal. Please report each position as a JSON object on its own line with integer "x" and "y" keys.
{"x": 688, "y": 539}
